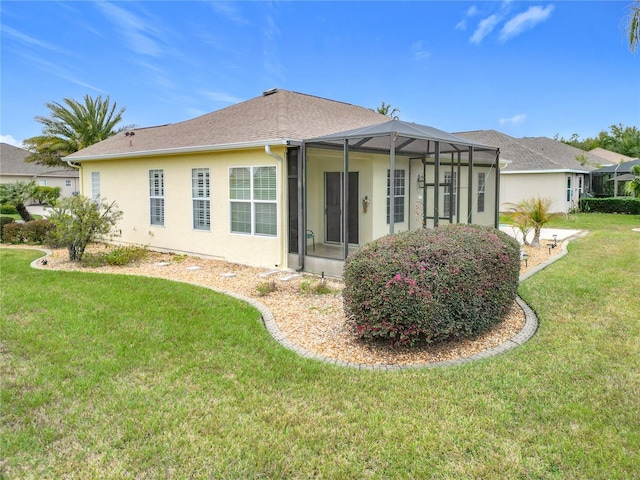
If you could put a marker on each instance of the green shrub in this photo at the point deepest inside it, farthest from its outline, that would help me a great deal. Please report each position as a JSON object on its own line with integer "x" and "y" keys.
{"x": 627, "y": 205}
{"x": 121, "y": 255}
{"x": 37, "y": 231}
{"x": 4, "y": 221}
{"x": 436, "y": 284}
{"x": 316, "y": 287}
{"x": 265, "y": 288}
{"x": 8, "y": 209}
{"x": 14, "y": 232}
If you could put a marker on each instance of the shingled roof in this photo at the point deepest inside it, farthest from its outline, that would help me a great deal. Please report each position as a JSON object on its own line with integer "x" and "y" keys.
{"x": 12, "y": 163}
{"x": 277, "y": 116}
{"x": 534, "y": 154}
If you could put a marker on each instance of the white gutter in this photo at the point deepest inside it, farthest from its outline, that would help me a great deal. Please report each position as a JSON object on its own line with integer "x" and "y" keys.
{"x": 568, "y": 170}
{"x": 279, "y": 159}
{"x": 184, "y": 150}
{"x": 72, "y": 165}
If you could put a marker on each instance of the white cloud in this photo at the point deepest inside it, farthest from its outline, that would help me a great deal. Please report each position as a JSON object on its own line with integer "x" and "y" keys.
{"x": 419, "y": 51}
{"x": 137, "y": 32}
{"x": 485, "y": 27}
{"x": 222, "y": 97}
{"x": 10, "y": 140}
{"x": 228, "y": 10}
{"x": 515, "y": 120}
{"x": 525, "y": 21}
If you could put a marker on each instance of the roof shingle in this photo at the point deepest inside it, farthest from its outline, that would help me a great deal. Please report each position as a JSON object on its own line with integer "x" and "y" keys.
{"x": 280, "y": 115}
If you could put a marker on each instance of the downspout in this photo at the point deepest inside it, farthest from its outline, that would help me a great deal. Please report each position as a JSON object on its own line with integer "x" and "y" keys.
{"x": 77, "y": 167}
{"x": 267, "y": 150}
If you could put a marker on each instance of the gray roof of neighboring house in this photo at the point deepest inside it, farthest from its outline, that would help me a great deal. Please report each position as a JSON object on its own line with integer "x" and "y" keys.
{"x": 608, "y": 156}
{"x": 274, "y": 117}
{"x": 533, "y": 154}
{"x": 624, "y": 167}
{"x": 12, "y": 163}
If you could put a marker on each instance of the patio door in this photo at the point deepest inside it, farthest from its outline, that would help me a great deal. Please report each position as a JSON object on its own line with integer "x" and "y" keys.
{"x": 333, "y": 188}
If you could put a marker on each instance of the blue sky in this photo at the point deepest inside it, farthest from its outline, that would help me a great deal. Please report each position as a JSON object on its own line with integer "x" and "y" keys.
{"x": 525, "y": 68}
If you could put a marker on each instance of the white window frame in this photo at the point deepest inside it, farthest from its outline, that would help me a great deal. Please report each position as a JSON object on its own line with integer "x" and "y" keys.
{"x": 67, "y": 183}
{"x": 156, "y": 197}
{"x": 450, "y": 178}
{"x": 569, "y": 192}
{"x": 201, "y": 198}
{"x": 254, "y": 198}
{"x": 399, "y": 192}
{"x": 482, "y": 181}
{"x": 95, "y": 185}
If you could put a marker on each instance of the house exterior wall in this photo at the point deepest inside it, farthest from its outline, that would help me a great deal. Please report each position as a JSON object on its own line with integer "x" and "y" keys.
{"x": 131, "y": 192}
{"x": 68, "y": 185}
{"x": 562, "y": 188}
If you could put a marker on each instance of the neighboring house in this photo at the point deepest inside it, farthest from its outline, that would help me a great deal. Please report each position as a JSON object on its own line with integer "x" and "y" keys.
{"x": 288, "y": 180}
{"x": 539, "y": 166}
{"x": 608, "y": 157}
{"x": 609, "y": 181}
{"x": 14, "y": 169}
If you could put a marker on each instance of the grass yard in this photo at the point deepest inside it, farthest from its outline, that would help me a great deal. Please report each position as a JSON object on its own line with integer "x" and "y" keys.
{"x": 107, "y": 376}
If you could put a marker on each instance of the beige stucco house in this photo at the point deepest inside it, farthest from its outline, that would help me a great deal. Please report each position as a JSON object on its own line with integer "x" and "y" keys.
{"x": 263, "y": 182}
{"x": 539, "y": 166}
{"x": 14, "y": 169}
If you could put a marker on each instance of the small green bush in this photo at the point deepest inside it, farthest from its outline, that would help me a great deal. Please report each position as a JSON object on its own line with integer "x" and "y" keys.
{"x": 316, "y": 287}
{"x": 265, "y": 288}
{"x": 8, "y": 209}
{"x": 4, "y": 221}
{"x": 433, "y": 285}
{"x": 628, "y": 205}
{"x": 37, "y": 231}
{"x": 121, "y": 255}
{"x": 14, "y": 232}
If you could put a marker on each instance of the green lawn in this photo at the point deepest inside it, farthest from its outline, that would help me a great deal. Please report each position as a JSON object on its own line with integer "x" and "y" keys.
{"x": 121, "y": 377}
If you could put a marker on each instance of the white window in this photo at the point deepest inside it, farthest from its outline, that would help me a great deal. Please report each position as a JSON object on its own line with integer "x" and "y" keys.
{"x": 67, "y": 183}
{"x": 95, "y": 185}
{"x": 580, "y": 185}
{"x": 43, "y": 183}
{"x": 450, "y": 194}
{"x": 481, "y": 184}
{"x": 398, "y": 195}
{"x": 252, "y": 200}
{"x": 568, "y": 189}
{"x": 201, "y": 198}
{"x": 156, "y": 197}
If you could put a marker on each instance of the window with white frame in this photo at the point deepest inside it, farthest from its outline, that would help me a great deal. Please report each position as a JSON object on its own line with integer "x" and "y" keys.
{"x": 481, "y": 184}
{"x": 201, "y": 198}
{"x": 252, "y": 200}
{"x": 580, "y": 186}
{"x": 67, "y": 183}
{"x": 398, "y": 195}
{"x": 43, "y": 183}
{"x": 450, "y": 193}
{"x": 95, "y": 185}
{"x": 156, "y": 197}
{"x": 568, "y": 189}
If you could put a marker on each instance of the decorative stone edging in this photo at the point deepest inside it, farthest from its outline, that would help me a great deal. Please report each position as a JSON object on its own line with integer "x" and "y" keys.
{"x": 528, "y": 331}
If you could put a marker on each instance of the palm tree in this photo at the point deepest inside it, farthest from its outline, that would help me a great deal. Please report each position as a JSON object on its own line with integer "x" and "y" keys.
{"x": 17, "y": 194}
{"x": 386, "y": 109}
{"x": 531, "y": 213}
{"x": 633, "y": 27}
{"x": 72, "y": 127}
{"x": 632, "y": 187}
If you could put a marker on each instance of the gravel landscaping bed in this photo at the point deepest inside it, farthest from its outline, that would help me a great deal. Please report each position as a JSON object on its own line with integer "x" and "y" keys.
{"x": 315, "y": 322}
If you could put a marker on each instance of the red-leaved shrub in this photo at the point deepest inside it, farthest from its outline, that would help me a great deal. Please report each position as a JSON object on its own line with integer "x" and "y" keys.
{"x": 433, "y": 284}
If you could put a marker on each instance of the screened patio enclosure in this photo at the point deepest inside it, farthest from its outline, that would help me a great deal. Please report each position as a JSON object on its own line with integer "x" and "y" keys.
{"x": 362, "y": 184}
